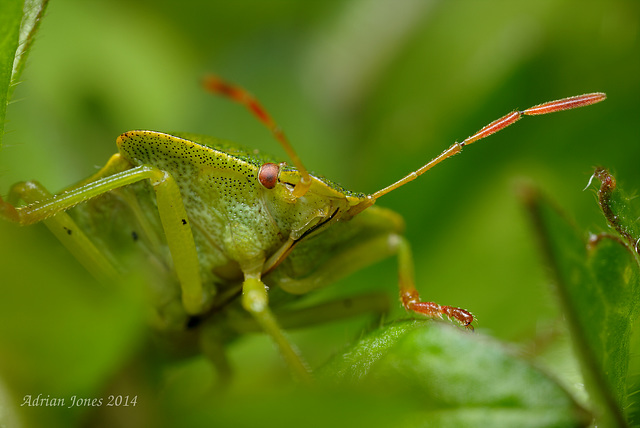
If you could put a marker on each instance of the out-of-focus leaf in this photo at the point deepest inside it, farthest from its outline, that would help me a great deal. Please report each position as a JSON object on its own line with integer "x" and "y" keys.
{"x": 597, "y": 285}
{"x": 451, "y": 378}
{"x": 282, "y": 408}
{"x": 60, "y": 340}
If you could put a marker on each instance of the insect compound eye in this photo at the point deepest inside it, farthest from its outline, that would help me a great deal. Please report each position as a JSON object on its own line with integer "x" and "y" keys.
{"x": 268, "y": 175}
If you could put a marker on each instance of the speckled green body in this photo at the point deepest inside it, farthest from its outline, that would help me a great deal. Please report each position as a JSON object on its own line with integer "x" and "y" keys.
{"x": 237, "y": 223}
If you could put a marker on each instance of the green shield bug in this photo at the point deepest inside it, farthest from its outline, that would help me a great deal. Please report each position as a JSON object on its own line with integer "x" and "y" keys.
{"x": 234, "y": 233}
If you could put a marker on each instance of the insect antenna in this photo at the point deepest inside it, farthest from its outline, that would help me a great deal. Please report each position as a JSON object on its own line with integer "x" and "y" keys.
{"x": 235, "y": 93}
{"x": 495, "y": 126}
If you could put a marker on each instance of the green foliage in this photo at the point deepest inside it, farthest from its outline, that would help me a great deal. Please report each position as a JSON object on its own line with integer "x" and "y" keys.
{"x": 598, "y": 284}
{"x": 32, "y": 14}
{"x": 365, "y": 96}
{"x": 454, "y": 379}
{"x": 10, "y": 18}
{"x": 19, "y": 21}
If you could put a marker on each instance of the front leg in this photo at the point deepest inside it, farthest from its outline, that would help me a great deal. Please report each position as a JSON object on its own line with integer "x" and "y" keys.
{"x": 256, "y": 301}
{"x": 370, "y": 237}
{"x": 409, "y": 295}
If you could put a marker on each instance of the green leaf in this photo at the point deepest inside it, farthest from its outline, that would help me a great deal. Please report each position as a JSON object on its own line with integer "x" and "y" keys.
{"x": 622, "y": 216}
{"x": 10, "y": 18}
{"x": 453, "y": 378}
{"x": 19, "y": 21}
{"x": 33, "y": 12}
{"x": 598, "y": 288}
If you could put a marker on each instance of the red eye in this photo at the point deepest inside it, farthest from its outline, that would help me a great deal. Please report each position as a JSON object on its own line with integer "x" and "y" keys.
{"x": 268, "y": 175}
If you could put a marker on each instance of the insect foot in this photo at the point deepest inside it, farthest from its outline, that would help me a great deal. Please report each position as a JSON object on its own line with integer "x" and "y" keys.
{"x": 8, "y": 211}
{"x": 411, "y": 301}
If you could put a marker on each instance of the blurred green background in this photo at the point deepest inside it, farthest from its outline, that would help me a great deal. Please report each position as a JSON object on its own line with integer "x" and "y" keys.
{"x": 366, "y": 91}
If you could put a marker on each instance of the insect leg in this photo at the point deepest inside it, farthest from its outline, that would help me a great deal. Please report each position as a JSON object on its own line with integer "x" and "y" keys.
{"x": 117, "y": 164}
{"x": 213, "y": 348}
{"x": 384, "y": 244}
{"x": 177, "y": 229}
{"x": 321, "y": 313}
{"x": 255, "y": 301}
{"x": 67, "y": 232}
{"x": 172, "y": 214}
{"x": 344, "y": 262}
{"x": 409, "y": 295}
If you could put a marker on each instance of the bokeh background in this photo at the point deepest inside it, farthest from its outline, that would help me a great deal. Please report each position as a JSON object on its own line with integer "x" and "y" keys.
{"x": 366, "y": 91}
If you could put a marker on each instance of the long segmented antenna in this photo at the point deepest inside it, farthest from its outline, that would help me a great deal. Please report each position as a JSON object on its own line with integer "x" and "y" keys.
{"x": 235, "y": 93}
{"x": 408, "y": 293}
{"x": 495, "y": 126}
